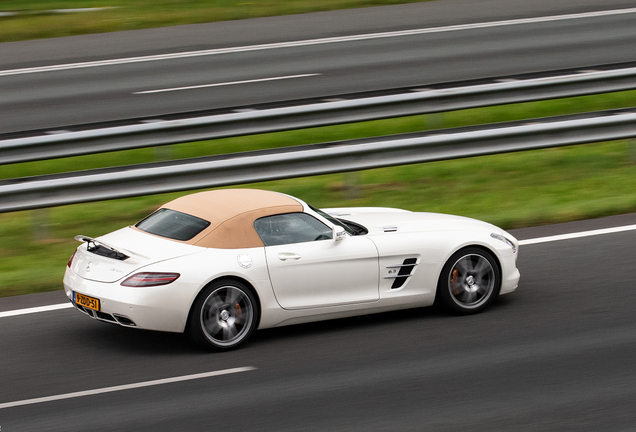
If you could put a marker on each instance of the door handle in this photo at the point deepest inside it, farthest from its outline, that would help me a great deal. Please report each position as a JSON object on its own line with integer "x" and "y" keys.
{"x": 288, "y": 256}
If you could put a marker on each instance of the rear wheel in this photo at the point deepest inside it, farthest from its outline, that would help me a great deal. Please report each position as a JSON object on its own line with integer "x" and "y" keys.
{"x": 470, "y": 281}
{"x": 223, "y": 316}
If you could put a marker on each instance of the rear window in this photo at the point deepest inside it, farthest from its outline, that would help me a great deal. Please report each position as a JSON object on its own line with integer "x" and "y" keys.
{"x": 173, "y": 224}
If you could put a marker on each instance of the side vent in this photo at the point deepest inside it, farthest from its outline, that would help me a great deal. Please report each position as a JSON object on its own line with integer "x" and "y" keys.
{"x": 389, "y": 228}
{"x": 405, "y": 272}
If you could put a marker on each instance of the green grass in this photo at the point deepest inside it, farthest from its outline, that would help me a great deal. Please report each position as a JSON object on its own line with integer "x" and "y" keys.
{"x": 510, "y": 190}
{"x": 35, "y": 22}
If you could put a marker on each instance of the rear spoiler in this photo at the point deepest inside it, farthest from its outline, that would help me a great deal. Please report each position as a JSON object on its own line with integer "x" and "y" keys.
{"x": 98, "y": 247}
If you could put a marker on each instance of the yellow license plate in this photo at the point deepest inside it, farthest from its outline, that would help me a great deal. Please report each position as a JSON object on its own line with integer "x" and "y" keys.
{"x": 86, "y": 301}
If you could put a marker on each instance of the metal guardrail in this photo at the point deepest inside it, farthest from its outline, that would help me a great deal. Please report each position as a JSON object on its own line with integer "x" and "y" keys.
{"x": 319, "y": 114}
{"x": 135, "y": 180}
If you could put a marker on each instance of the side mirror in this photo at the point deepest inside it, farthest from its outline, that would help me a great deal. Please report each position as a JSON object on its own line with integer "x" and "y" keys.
{"x": 339, "y": 233}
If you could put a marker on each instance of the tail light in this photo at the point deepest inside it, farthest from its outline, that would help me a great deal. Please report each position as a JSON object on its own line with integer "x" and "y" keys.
{"x": 149, "y": 279}
{"x": 70, "y": 261}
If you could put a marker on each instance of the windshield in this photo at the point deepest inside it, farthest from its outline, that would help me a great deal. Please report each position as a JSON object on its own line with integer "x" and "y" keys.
{"x": 334, "y": 220}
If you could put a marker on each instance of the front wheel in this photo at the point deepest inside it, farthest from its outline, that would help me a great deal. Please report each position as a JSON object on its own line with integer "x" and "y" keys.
{"x": 470, "y": 281}
{"x": 223, "y": 316}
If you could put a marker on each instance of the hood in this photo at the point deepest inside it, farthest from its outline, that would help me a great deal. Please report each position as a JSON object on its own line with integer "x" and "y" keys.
{"x": 140, "y": 248}
{"x": 385, "y": 220}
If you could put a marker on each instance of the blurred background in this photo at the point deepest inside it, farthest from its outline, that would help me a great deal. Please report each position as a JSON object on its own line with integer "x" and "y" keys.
{"x": 555, "y": 355}
{"x": 511, "y": 190}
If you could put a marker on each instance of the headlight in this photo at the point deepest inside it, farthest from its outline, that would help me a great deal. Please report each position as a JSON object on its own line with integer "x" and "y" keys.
{"x": 505, "y": 240}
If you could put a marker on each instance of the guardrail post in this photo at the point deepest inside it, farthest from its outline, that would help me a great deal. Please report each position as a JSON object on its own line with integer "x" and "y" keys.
{"x": 434, "y": 121}
{"x": 164, "y": 153}
{"x": 41, "y": 224}
{"x": 631, "y": 150}
{"x": 352, "y": 184}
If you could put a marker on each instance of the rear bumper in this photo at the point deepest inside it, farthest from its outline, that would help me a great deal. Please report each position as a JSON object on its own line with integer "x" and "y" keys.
{"x": 103, "y": 316}
{"x": 154, "y": 308}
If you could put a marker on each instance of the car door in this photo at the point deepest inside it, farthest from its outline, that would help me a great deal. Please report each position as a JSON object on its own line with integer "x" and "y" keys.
{"x": 309, "y": 269}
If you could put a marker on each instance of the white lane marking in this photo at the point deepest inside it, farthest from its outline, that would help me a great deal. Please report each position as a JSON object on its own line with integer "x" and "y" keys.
{"x": 35, "y": 310}
{"x": 126, "y": 387}
{"x": 59, "y": 11}
{"x": 577, "y": 235}
{"x": 228, "y": 83}
{"x": 76, "y": 10}
{"x": 309, "y": 42}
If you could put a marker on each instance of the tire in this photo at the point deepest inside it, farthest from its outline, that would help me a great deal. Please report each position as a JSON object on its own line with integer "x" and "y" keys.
{"x": 470, "y": 281}
{"x": 224, "y": 316}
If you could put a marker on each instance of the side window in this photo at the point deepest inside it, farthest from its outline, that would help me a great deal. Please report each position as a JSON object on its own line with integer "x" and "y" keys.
{"x": 291, "y": 228}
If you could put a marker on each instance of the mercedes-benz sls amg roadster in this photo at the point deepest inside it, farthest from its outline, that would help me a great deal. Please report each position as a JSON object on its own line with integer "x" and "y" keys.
{"x": 219, "y": 264}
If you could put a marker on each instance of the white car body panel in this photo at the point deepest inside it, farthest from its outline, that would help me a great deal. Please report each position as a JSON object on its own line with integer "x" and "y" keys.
{"x": 324, "y": 273}
{"x": 436, "y": 236}
{"x": 147, "y": 249}
{"x": 330, "y": 279}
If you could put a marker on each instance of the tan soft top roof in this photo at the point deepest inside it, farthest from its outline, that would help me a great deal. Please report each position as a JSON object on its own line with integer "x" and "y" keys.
{"x": 231, "y": 213}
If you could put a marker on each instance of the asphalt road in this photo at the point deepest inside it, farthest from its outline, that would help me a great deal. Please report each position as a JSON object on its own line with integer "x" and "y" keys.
{"x": 66, "y": 96}
{"x": 555, "y": 355}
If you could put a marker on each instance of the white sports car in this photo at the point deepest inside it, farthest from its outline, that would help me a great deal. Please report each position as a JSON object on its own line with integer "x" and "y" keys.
{"x": 220, "y": 264}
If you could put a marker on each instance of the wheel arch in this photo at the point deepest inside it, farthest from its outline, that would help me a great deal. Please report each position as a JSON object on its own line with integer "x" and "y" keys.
{"x": 465, "y": 247}
{"x": 476, "y": 246}
{"x": 228, "y": 278}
